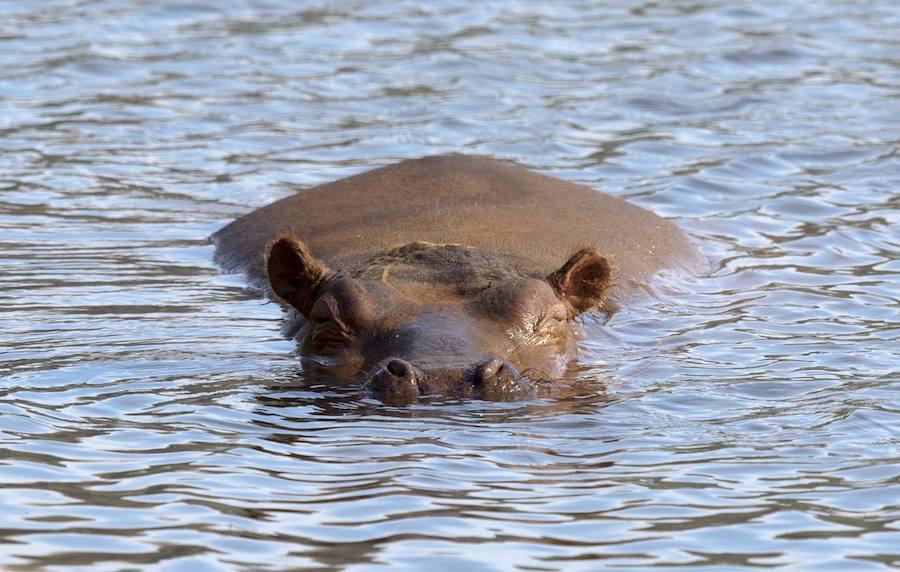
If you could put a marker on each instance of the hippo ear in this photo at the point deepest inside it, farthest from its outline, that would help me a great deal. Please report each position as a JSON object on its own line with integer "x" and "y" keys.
{"x": 294, "y": 273}
{"x": 583, "y": 281}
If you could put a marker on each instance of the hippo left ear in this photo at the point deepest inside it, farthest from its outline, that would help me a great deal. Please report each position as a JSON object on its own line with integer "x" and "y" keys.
{"x": 294, "y": 273}
{"x": 583, "y": 281}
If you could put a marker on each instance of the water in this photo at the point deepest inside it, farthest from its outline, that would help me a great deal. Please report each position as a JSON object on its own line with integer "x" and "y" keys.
{"x": 153, "y": 418}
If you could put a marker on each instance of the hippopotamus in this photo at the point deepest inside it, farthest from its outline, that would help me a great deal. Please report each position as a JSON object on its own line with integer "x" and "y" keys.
{"x": 451, "y": 275}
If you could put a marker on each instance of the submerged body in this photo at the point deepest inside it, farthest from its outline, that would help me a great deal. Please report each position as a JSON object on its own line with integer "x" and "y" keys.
{"x": 448, "y": 274}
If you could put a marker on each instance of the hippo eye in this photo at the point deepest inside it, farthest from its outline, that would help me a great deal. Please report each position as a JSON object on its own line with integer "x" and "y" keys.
{"x": 331, "y": 336}
{"x": 326, "y": 320}
{"x": 549, "y": 321}
{"x": 324, "y": 311}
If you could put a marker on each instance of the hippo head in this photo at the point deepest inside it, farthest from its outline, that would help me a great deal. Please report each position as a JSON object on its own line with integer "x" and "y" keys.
{"x": 437, "y": 319}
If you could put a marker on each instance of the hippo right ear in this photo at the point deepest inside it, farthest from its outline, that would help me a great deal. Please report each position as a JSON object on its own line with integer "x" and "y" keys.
{"x": 583, "y": 281}
{"x": 294, "y": 274}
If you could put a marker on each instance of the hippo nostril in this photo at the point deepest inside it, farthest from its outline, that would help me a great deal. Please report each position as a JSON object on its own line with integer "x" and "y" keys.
{"x": 395, "y": 383}
{"x": 399, "y": 368}
{"x": 498, "y": 380}
{"x": 488, "y": 369}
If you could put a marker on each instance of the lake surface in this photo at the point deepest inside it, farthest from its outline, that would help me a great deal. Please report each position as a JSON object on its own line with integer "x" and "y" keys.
{"x": 152, "y": 417}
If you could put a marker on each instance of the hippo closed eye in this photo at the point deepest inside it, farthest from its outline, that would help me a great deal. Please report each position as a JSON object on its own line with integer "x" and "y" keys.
{"x": 447, "y": 275}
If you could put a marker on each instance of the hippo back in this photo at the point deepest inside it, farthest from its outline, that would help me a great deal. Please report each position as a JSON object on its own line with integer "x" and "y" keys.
{"x": 532, "y": 221}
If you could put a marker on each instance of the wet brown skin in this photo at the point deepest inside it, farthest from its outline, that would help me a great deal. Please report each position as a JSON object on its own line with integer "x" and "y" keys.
{"x": 449, "y": 275}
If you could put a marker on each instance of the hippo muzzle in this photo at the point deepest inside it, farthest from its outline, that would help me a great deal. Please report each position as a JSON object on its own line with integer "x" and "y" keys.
{"x": 398, "y": 382}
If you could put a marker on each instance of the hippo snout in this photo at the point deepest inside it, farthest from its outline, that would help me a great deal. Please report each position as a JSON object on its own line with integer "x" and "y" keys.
{"x": 398, "y": 382}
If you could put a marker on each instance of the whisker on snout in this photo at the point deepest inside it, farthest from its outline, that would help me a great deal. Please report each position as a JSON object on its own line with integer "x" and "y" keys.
{"x": 535, "y": 377}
